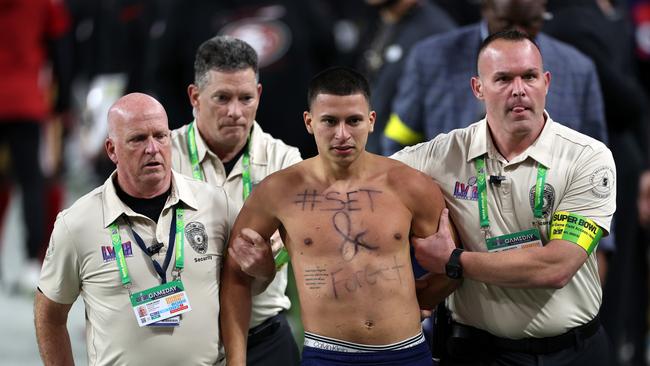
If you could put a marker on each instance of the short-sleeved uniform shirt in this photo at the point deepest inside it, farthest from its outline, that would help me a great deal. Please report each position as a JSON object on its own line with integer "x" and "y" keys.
{"x": 80, "y": 260}
{"x": 267, "y": 155}
{"x": 581, "y": 179}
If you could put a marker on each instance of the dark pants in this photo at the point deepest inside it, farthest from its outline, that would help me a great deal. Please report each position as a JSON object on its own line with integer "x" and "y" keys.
{"x": 23, "y": 140}
{"x": 272, "y": 344}
{"x": 591, "y": 351}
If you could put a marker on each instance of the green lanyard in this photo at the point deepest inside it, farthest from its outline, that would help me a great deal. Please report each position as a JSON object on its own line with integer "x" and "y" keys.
{"x": 179, "y": 264}
{"x": 482, "y": 194}
{"x": 197, "y": 172}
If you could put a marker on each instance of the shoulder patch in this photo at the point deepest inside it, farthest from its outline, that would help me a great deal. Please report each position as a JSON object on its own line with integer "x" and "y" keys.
{"x": 602, "y": 181}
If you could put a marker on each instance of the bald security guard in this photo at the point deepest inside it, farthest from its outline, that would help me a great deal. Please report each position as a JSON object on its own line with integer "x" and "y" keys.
{"x": 144, "y": 251}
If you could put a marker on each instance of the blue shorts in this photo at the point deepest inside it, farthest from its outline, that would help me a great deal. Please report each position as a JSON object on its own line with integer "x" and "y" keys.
{"x": 323, "y": 351}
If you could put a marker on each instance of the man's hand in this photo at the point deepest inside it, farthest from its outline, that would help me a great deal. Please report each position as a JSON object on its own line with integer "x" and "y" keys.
{"x": 253, "y": 254}
{"x": 433, "y": 252}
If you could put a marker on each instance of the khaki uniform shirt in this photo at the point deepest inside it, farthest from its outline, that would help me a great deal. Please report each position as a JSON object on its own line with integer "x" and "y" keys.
{"x": 267, "y": 155}
{"x": 80, "y": 260}
{"x": 581, "y": 179}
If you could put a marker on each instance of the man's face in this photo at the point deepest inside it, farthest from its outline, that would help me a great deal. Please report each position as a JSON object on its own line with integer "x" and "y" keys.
{"x": 226, "y": 106}
{"x": 524, "y": 15}
{"x": 340, "y": 125}
{"x": 513, "y": 86}
{"x": 141, "y": 149}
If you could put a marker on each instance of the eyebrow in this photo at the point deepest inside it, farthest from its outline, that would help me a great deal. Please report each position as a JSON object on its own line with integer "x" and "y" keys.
{"x": 508, "y": 73}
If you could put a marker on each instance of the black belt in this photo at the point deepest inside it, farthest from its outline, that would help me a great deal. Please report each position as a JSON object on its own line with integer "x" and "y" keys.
{"x": 528, "y": 345}
{"x": 265, "y": 329}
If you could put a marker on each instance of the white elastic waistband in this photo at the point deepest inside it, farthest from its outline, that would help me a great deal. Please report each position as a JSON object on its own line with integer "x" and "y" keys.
{"x": 332, "y": 344}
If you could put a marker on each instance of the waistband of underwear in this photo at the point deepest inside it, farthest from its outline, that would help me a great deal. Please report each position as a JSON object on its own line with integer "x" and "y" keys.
{"x": 332, "y": 344}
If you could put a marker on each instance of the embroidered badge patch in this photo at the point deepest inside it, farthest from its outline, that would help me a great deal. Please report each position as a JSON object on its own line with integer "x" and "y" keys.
{"x": 466, "y": 191}
{"x": 108, "y": 252}
{"x": 197, "y": 237}
{"x": 602, "y": 181}
{"x": 549, "y": 199}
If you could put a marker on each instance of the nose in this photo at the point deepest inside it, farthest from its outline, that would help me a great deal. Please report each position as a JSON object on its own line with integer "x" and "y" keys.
{"x": 234, "y": 110}
{"x": 342, "y": 132}
{"x": 152, "y": 146}
{"x": 518, "y": 87}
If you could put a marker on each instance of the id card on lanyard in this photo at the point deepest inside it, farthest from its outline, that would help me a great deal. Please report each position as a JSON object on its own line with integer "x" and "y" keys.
{"x": 160, "y": 305}
{"x": 517, "y": 240}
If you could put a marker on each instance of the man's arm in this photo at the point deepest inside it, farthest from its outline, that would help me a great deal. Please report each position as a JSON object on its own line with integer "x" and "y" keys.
{"x": 426, "y": 202}
{"x": 551, "y": 266}
{"x": 52, "y": 336}
{"x": 249, "y": 257}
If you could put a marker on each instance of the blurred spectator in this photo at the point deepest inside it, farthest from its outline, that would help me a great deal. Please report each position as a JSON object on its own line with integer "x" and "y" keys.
{"x": 433, "y": 96}
{"x": 35, "y": 75}
{"x": 109, "y": 59}
{"x": 640, "y": 14}
{"x": 601, "y": 31}
{"x": 463, "y": 12}
{"x": 403, "y": 23}
{"x": 292, "y": 38}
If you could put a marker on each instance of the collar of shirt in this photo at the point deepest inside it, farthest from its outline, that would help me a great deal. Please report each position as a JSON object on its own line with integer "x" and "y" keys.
{"x": 257, "y": 150}
{"x": 113, "y": 207}
{"x": 539, "y": 151}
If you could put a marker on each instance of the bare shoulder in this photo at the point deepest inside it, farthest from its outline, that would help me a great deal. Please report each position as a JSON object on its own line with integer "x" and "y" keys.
{"x": 281, "y": 179}
{"x": 407, "y": 180}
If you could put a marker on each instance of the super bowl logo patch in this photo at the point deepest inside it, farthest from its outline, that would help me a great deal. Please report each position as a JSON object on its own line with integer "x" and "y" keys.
{"x": 197, "y": 237}
{"x": 602, "y": 181}
{"x": 108, "y": 252}
{"x": 549, "y": 199}
{"x": 466, "y": 191}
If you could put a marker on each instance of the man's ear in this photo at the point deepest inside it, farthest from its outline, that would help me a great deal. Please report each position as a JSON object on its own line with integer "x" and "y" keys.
{"x": 193, "y": 95}
{"x": 110, "y": 150}
{"x": 477, "y": 87}
{"x": 547, "y": 80}
{"x": 372, "y": 117}
{"x": 306, "y": 116}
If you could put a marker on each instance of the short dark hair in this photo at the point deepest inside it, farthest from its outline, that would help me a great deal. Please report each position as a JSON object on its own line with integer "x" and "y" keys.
{"x": 511, "y": 34}
{"x": 338, "y": 80}
{"x": 223, "y": 53}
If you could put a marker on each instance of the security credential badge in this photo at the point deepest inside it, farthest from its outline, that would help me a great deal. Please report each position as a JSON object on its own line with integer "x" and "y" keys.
{"x": 160, "y": 305}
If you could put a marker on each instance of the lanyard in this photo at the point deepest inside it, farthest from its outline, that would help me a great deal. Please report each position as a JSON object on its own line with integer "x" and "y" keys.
{"x": 482, "y": 194}
{"x": 197, "y": 172}
{"x": 175, "y": 235}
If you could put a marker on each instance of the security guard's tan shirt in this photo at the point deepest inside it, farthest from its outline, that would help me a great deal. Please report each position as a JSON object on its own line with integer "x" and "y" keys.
{"x": 581, "y": 179}
{"x": 267, "y": 155}
{"x": 80, "y": 260}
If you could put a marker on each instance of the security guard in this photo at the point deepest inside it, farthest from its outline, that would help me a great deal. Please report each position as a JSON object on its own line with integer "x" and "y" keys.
{"x": 225, "y": 147}
{"x": 144, "y": 251}
{"x": 530, "y": 199}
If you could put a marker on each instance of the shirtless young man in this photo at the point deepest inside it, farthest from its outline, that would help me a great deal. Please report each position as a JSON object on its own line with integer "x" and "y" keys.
{"x": 345, "y": 217}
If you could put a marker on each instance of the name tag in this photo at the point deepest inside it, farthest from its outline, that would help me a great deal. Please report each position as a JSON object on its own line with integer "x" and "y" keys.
{"x": 160, "y": 303}
{"x": 519, "y": 240}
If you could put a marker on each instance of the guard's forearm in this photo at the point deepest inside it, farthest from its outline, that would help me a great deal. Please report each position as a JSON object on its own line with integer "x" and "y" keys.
{"x": 54, "y": 345}
{"x": 51, "y": 332}
{"x": 551, "y": 266}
